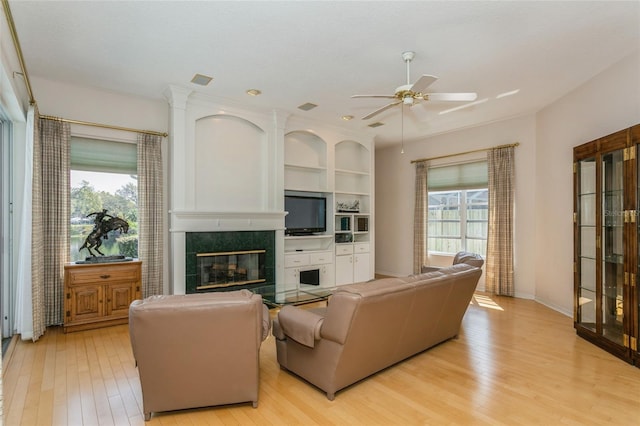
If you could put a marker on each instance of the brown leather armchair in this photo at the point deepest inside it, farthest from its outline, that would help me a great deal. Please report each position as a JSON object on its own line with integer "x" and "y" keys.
{"x": 198, "y": 350}
{"x": 472, "y": 259}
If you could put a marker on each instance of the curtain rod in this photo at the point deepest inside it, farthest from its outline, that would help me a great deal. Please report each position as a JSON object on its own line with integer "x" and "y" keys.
{"x": 16, "y": 44}
{"x": 420, "y": 160}
{"x": 106, "y": 126}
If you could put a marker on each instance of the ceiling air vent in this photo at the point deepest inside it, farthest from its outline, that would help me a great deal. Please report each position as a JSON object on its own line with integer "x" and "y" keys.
{"x": 202, "y": 80}
{"x": 307, "y": 106}
{"x": 376, "y": 124}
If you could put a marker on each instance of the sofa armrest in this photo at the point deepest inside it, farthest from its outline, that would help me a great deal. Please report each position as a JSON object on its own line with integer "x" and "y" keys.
{"x": 300, "y": 325}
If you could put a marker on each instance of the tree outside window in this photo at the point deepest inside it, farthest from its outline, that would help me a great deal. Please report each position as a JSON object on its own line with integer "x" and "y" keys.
{"x": 93, "y": 192}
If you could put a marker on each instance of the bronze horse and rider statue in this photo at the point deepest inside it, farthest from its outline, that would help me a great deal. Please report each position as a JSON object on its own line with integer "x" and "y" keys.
{"x": 104, "y": 223}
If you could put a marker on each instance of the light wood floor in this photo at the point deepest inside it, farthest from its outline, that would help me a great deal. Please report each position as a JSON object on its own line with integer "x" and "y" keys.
{"x": 516, "y": 362}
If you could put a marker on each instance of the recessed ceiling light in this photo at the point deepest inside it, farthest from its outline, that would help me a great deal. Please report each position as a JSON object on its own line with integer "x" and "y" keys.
{"x": 347, "y": 117}
{"x": 254, "y": 92}
{"x": 307, "y": 106}
{"x": 202, "y": 80}
{"x": 376, "y": 124}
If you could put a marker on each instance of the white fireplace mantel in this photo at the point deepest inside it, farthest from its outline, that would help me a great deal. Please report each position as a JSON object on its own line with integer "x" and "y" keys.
{"x": 205, "y": 221}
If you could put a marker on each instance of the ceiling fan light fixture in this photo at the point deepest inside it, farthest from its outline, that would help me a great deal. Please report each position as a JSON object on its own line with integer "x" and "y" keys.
{"x": 410, "y": 94}
{"x": 347, "y": 117}
{"x": 254, "y": 92}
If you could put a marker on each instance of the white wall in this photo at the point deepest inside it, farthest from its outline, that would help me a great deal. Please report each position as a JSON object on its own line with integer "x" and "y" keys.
{"x": 544, "y": 183}
{"x": 607, "y": 103}
{"x": 100, "y": 106}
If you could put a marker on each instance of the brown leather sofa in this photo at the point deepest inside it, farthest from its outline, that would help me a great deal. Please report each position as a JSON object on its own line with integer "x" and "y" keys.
{"x": 367, "y": 327}
{"x": 198, "y": 350}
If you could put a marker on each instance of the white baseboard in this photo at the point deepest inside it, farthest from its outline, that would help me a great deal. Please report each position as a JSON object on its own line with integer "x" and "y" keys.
{"x": 555, "y": 307}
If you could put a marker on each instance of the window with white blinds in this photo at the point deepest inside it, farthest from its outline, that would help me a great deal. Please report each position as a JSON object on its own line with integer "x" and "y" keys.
{"x": 103, "y": 175}
{"x": 458, "y": 176}
{"x": 458, "y": 208}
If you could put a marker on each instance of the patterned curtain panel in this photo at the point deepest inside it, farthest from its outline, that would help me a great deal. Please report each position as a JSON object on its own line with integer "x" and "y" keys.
{"x": 51, "y": 206}
{"x": 37, "y": 238}
{"x": 150, "y": 240}
{"x": 421, "y": 211}
{"x": 499, "y": 261}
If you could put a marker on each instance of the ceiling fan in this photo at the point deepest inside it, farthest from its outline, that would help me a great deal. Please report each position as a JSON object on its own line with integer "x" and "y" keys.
{"x": 411, "y": 94}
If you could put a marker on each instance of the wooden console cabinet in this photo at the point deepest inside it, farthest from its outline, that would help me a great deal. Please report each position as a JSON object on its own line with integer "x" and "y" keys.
{"x": 99, "y": 295}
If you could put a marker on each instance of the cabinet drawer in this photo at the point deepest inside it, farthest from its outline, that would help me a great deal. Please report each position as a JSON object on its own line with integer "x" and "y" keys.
{"x": 320, "y": 258}
{"x": 294, "y": 260}
{"x": 95, "y": 274}
{"x": 361, "y": 247}
{"x": 342, "y": 249}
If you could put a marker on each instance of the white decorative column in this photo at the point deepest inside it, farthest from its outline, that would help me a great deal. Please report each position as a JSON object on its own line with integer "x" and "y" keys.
{"x": 279, "y": 123}
{"x": 180, "y": 180}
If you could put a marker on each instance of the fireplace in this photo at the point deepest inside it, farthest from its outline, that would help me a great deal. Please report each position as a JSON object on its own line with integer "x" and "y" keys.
{"x": 229, "y": 269}
{"x": 233, "y": 260}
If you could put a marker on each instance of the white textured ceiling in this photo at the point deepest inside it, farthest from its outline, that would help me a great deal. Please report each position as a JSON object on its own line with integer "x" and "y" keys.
{"x": 324, "y": 52}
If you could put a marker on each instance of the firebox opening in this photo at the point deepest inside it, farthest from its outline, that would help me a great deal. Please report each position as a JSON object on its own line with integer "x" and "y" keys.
{"x": 228, "y": 269}
{"x": 230, "y": 260}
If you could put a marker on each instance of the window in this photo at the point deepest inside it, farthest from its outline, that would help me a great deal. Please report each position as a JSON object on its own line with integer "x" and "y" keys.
{"x": 103, "y": 177}
{"x": 458, "y": 221}
{"x": 458, "y": 208}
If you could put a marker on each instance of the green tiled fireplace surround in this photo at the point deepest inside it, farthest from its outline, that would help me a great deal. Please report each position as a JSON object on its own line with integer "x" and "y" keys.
{"x": 212, "y": 242}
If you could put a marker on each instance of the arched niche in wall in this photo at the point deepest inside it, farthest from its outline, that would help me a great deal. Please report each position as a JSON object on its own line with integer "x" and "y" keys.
{"x": 231, "y": 164}
{"x": 352, "y": 156}
{"x": 352, "y": 178}
{"x": 305, "y": 161}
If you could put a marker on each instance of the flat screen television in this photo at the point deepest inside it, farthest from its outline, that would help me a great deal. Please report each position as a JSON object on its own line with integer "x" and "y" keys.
{"x": 306, "y": 215}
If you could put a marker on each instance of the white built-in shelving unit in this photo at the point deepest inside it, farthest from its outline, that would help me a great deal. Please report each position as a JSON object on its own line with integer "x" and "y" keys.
{"x": 340, "y": 171}
{"x": 352, "y": 225}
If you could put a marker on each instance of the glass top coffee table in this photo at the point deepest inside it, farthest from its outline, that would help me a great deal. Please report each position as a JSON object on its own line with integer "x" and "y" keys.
{"x": 278, "y": 299}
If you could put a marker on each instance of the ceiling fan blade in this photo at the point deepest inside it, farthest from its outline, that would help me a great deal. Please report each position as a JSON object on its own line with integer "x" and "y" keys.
{"x": 374, "y": 96}
{"x": 379, "y": 110}
{"x": 451, "y": 96}
{"x": 423, "y": 82}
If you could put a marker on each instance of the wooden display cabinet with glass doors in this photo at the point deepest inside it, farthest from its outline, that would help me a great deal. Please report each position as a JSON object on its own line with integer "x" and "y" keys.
{"x": 606, "y": 233}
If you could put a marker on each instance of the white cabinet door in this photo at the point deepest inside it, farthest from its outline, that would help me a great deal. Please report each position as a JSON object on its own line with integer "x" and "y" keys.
{"x": 361, "y": 267}
{"x": 327, "y": 278}
{"x": 344, "y": 269}
{"x": 291, "y": 278}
